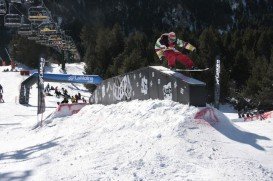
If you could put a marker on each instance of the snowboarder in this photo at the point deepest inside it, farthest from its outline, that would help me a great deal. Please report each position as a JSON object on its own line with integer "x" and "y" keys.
{"x": 165, "y": 49}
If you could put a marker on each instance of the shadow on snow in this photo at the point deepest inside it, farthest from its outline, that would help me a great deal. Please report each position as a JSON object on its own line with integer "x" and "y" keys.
{"x": 232, "y": 132}
{"x": 19, "y": 176}
{"x": 26, "y": 153}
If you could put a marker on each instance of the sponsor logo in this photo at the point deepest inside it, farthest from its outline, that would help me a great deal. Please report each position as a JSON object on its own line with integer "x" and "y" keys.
{"x": 80, "y": 78}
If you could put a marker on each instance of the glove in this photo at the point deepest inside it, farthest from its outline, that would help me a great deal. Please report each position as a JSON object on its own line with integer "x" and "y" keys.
{"x": 190, "y": 47}
{"x": 179, "y": 43}
{"x": 163, "y": 47}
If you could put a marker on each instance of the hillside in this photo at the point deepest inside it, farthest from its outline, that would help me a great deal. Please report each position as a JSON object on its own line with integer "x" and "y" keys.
{"x": 137, "y": 140}
{"x": 194, "y": 15}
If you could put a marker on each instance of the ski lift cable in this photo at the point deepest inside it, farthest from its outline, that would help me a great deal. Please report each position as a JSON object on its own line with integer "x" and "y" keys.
{"x": 10, "y": 4}
{"x": 8, "y": 54}
{"x": 49, "y": 13}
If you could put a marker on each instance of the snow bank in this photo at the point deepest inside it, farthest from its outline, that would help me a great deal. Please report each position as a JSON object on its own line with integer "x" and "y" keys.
{"x": 152, "y": 140}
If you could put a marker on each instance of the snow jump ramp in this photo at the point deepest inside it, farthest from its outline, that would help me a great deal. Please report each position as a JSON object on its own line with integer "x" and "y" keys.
{"x": 67, "y": 110}
{"x": 154, "y": 82}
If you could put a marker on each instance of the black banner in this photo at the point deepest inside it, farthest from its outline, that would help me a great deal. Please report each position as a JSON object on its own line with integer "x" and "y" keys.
{"x": 41, "y": 96}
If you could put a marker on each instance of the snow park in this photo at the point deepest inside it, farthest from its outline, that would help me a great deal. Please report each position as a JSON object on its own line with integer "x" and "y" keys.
{"x": 136, "y": 90}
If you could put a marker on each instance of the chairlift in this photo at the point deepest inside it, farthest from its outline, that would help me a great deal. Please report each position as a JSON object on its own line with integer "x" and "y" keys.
{"x": 29, "y": 1}
{"x": 48, "y": 43}
{"x": 12, "y": 20}
{"x": 67, "y": 39}
{"x": 48, "y": 28}
{"x": 56, "y": 37}
{"x": 51, "y": 44}
{"x": 25, "y": 30}
{"x": 64, "y": 46}
{"x": 3, "y": 7}
{"x": 73, "y": 46}
{"x": 74, "y": 50}
{"x": 41, "y": 41}
{"x": 16, "y": 1}
{"x": 44, "y": 43}
{"x": 42, "y": 38}
{"x": 38, "y": 14}
{"x": 34, "y": 36}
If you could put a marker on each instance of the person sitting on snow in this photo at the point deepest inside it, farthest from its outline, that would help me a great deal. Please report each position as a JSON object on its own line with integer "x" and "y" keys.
{"x": 165, "y": 49}
{"x": 65, "y": 100}
{"x": 73, "y": 99}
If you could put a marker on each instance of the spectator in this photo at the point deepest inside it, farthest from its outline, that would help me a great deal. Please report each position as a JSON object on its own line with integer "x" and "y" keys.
{"x": 57, "y": 93}
{"x": 1, "y": 98}
{"x": 1, "y": 89}
{"x": 73, "y": 99}
{"x": 66, "y": 95}
{"x": 79, "y": 95}
{"x": 65, "y": 100}
{"x": 47, "y": 88}
{"x": 76, "y": 97}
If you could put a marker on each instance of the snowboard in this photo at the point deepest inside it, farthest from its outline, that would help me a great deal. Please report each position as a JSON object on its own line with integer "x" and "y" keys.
{"x": 190, "y": 70}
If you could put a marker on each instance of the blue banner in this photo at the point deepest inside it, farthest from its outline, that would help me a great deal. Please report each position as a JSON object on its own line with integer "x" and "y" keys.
{"x": 83, "y": 79}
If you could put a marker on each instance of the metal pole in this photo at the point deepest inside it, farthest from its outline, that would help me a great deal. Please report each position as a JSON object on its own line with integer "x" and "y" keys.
{"x": 217, "y": 83}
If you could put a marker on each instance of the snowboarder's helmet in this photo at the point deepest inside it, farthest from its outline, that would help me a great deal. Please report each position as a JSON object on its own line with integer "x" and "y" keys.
{"x": 172, "y": 37}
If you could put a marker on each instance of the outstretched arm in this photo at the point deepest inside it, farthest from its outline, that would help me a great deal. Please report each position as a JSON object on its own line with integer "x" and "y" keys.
{"x": 185, "y": 45}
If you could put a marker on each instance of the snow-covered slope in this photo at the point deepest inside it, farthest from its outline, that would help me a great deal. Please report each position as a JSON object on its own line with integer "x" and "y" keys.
{"x": 137, "y": 140}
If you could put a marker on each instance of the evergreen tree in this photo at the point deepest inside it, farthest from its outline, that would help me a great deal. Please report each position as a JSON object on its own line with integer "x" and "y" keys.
{"x": 134, "y": 55}
{"x": 20, "y": 47}
{"x": 101, "y": 49}
{"x": 258, "y": 74}
{"x": 209, "y": 47}
{"x": 263, "y": 45}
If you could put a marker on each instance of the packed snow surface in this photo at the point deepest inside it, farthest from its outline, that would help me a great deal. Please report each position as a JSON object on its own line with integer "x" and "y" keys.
{"x": 137, "y": 140}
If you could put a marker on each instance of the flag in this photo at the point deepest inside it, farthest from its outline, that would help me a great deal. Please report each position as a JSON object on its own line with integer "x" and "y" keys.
{"x": 41, "y": 96}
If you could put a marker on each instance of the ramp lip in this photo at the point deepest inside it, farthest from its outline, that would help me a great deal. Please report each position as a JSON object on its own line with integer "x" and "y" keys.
{"x": 167, "y": 71}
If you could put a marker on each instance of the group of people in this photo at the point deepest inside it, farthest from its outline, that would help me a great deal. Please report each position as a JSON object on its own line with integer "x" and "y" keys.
{"x": 64, "y": 93}
{"x": 6, "y": 70}
{"x": 1, "y": 94}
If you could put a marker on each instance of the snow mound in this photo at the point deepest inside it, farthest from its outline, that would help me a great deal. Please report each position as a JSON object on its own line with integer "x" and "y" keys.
{"x": 151, "y": 140}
